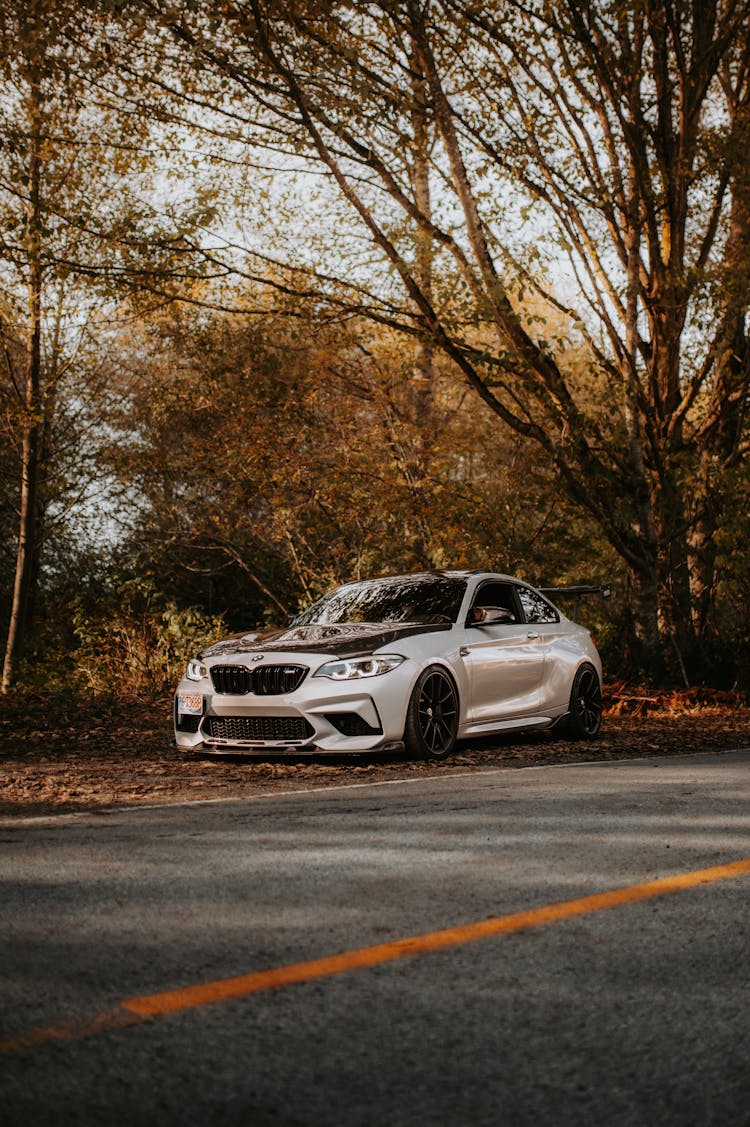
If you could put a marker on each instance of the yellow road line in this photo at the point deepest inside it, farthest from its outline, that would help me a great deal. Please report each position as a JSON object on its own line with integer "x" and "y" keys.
{"x": 133, "y": 1011}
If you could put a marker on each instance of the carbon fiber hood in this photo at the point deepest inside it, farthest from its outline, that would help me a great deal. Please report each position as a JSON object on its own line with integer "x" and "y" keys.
{"x": 349, "y": 639}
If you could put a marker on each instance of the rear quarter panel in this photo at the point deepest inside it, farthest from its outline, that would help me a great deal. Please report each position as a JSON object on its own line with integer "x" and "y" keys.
{"x": 567, "y": 647}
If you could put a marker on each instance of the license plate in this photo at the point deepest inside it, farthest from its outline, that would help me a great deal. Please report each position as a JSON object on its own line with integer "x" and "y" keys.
{"x": 190, "y": 704}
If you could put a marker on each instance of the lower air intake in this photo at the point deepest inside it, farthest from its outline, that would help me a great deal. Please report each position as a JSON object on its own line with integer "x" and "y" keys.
{"x": 257, "y": 729}
{"x": 351, "y": 724}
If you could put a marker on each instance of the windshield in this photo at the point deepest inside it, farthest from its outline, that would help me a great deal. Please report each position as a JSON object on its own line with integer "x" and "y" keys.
{"x": 428, "y": 598}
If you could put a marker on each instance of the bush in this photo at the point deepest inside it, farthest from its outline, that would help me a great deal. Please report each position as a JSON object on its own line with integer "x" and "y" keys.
{"x": 140, "y": 653}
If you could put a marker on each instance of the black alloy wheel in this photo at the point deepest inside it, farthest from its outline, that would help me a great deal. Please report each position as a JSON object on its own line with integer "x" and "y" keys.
{"x": 585, "y": 717}
{"x": 432, "y": 715}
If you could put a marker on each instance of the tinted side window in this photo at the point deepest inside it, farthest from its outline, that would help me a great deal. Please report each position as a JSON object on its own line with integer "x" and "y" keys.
{"x": 536, "y": 608}
{"x": 497, "y": 595}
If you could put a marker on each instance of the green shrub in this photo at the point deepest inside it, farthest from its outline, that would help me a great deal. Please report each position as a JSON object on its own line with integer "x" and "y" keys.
{"x": 139, "y": 653}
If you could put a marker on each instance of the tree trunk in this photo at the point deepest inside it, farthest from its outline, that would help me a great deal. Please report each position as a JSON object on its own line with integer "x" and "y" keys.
{"x": 422, "y": 389}
{"x": 643, "y": 598}
{"x": 26, "y": 553}
{"x": 29, "y": 539}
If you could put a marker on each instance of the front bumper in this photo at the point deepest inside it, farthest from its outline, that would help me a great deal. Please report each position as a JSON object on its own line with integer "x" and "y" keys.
{"x": 321, "y": 716}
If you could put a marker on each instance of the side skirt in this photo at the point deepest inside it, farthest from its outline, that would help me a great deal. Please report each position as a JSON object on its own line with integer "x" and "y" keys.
{"x": 524, "y": 723}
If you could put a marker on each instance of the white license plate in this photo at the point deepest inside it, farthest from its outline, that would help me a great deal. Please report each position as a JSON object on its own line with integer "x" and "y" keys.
{"x": 190, "y": 704}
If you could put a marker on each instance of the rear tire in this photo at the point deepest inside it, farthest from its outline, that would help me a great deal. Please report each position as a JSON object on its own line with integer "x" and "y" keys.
{"x": 585, "y": 714}
{"x": 432, "y": 715}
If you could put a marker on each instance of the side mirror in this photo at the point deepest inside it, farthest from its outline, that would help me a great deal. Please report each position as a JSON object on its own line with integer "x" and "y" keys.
{"x": 490, "y": 616}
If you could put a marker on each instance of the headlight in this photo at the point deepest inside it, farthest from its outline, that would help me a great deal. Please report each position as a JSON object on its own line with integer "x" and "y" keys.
{"x": 196, "y": 670}
{"x": 355, "y": 667}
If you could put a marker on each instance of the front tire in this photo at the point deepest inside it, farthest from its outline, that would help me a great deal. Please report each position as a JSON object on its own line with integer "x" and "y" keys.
{"x": 585, "y": 716}
{"x": 432, "y": 715}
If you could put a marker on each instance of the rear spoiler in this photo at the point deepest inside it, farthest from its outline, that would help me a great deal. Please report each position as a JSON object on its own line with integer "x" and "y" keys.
{"x": 604, "y": 590}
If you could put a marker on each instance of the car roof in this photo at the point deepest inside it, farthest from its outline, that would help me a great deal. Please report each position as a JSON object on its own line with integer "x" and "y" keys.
{"x": 436, "y": 573}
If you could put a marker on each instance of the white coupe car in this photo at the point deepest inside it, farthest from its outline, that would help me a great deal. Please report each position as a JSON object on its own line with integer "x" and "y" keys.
{"x": 409, "y": 661}
{"x": 415, "y": 661}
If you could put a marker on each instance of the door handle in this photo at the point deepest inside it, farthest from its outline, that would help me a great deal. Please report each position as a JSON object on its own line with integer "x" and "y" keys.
{"x": 532, "y": 634}
{"x": 463, "y": 651}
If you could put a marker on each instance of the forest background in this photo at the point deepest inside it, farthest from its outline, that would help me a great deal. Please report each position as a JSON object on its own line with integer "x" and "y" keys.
{"x": 294, "y": 293}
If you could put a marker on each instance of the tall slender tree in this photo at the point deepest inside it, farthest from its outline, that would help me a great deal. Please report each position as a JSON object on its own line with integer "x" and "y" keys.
{"x": 77, "y": 231}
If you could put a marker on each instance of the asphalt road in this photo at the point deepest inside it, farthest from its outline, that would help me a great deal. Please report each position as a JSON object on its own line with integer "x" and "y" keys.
{"x": 632, "y": 1012}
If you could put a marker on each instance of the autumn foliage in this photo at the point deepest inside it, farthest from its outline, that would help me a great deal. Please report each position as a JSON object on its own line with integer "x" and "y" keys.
{"x": 292, "y": 294}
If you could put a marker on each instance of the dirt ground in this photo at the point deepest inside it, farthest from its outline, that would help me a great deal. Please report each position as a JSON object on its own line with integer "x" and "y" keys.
{"x": 62, "y": 754}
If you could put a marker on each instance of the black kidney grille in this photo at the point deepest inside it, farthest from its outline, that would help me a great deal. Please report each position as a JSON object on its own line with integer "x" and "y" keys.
{"x": 262, "y": 681}
{"x": 234, "y": 679}
{"x": 272, "y": 680}
{"x": 255, "y": 729}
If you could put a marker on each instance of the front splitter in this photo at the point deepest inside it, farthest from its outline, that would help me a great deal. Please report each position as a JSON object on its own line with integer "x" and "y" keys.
{"x": 255, "y": 751}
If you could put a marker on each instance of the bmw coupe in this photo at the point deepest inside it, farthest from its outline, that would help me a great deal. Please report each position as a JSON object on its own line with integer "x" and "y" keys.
{"x": 411, "y": 662}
